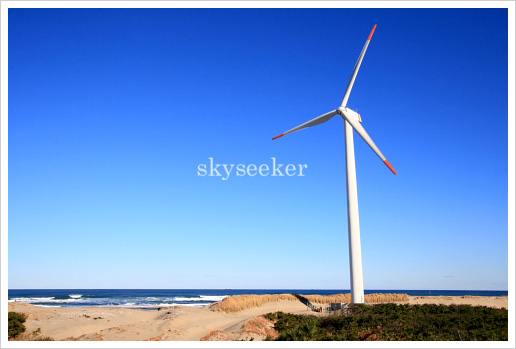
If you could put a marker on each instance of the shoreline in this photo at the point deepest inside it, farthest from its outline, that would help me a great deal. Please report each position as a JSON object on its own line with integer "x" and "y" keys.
{"x": 143, "y": 298}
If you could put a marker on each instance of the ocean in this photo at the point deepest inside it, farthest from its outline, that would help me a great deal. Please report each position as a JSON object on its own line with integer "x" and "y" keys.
{"x": 146, "y": 298}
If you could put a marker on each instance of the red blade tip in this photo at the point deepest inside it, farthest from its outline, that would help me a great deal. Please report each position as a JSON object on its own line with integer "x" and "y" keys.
{"x": 390, "y": 167}
{"x": 372, "y": 32}
{"x": 281, "y": 135}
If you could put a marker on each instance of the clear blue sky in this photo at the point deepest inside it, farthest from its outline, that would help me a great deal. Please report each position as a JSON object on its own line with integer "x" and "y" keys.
{"x": 111, "y": 112}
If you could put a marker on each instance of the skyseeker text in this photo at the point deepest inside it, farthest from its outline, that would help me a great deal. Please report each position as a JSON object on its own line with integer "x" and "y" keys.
{"x": 240, "y": 170}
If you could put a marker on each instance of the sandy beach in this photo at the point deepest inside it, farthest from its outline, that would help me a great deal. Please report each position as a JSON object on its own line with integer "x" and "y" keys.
{"x": 182, "y": 323}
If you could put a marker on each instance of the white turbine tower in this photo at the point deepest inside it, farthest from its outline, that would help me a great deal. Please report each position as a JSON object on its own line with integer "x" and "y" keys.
{"x": 351, "y": 120}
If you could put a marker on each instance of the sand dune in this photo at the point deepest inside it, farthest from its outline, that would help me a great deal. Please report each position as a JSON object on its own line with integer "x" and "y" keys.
{"x": 182, "y": 323}
{"x": 241, "y": 302}
{"x": 494, "y": 302}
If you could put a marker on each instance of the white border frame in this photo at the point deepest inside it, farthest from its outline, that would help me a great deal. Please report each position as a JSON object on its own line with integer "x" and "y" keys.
{"x": 5, "y": 5}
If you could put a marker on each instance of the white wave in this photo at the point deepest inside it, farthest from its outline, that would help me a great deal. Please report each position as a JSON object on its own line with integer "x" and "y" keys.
{"x": 32, "y": 299}
{"x": 149, "y": 305}
{"x": 213, "y": 298}
{"x": 45, "y": 300}
{"x": 200, "y": 298}
{"x": 73, "y": 300}
{"x": 75, "y": 295}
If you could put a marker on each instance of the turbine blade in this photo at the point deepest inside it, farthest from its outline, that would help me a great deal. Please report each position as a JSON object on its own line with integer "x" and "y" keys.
{"x": 356, "y": 69}
{"x": 363, "y": 133}
{"x": 318, "y": 120}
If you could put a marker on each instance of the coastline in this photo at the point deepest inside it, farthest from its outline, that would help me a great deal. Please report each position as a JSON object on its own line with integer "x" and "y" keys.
{"x": 180, "y": 323}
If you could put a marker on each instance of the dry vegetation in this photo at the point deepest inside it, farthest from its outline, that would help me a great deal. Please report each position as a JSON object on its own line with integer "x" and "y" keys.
{"x": 234, "y": 304}
{"x": 386, "y": 297}
{"x": 482, "y": 297}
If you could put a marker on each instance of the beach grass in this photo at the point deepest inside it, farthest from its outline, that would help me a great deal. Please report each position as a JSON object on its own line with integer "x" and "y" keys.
{"x": 234, "y": 304}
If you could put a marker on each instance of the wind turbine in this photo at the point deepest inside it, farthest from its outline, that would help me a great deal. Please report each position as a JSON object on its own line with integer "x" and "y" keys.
{"x": 351, "y": 120}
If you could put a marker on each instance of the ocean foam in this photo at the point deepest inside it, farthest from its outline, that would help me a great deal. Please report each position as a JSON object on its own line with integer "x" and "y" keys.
{"x": 45, "y": 300}
{"x": 213, "y": 298}
{"x": 32, "y": 299}
{"x": 76, "y": 299}
{"x": 154, "y": 305}
{"x": 199, "y": 298}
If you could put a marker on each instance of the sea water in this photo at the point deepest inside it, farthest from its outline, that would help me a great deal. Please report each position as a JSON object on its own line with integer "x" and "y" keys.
{"x": 147, "y": 298}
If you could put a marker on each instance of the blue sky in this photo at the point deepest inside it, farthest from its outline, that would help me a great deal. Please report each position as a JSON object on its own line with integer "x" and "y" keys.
{"x": 112, "y": 110}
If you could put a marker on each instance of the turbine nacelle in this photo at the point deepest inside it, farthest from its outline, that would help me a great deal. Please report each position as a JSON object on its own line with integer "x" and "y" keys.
{"x": 349, "y": 113}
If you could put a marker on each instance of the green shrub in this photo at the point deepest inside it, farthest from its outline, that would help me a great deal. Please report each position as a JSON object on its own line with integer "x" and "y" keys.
{"x": 271, "y": 316}
{"x": 16, "y": 326}
{"x": 427, "y": 322}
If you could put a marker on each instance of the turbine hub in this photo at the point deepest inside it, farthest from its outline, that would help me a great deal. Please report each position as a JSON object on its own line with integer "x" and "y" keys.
{"x": 349, "y": 113}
